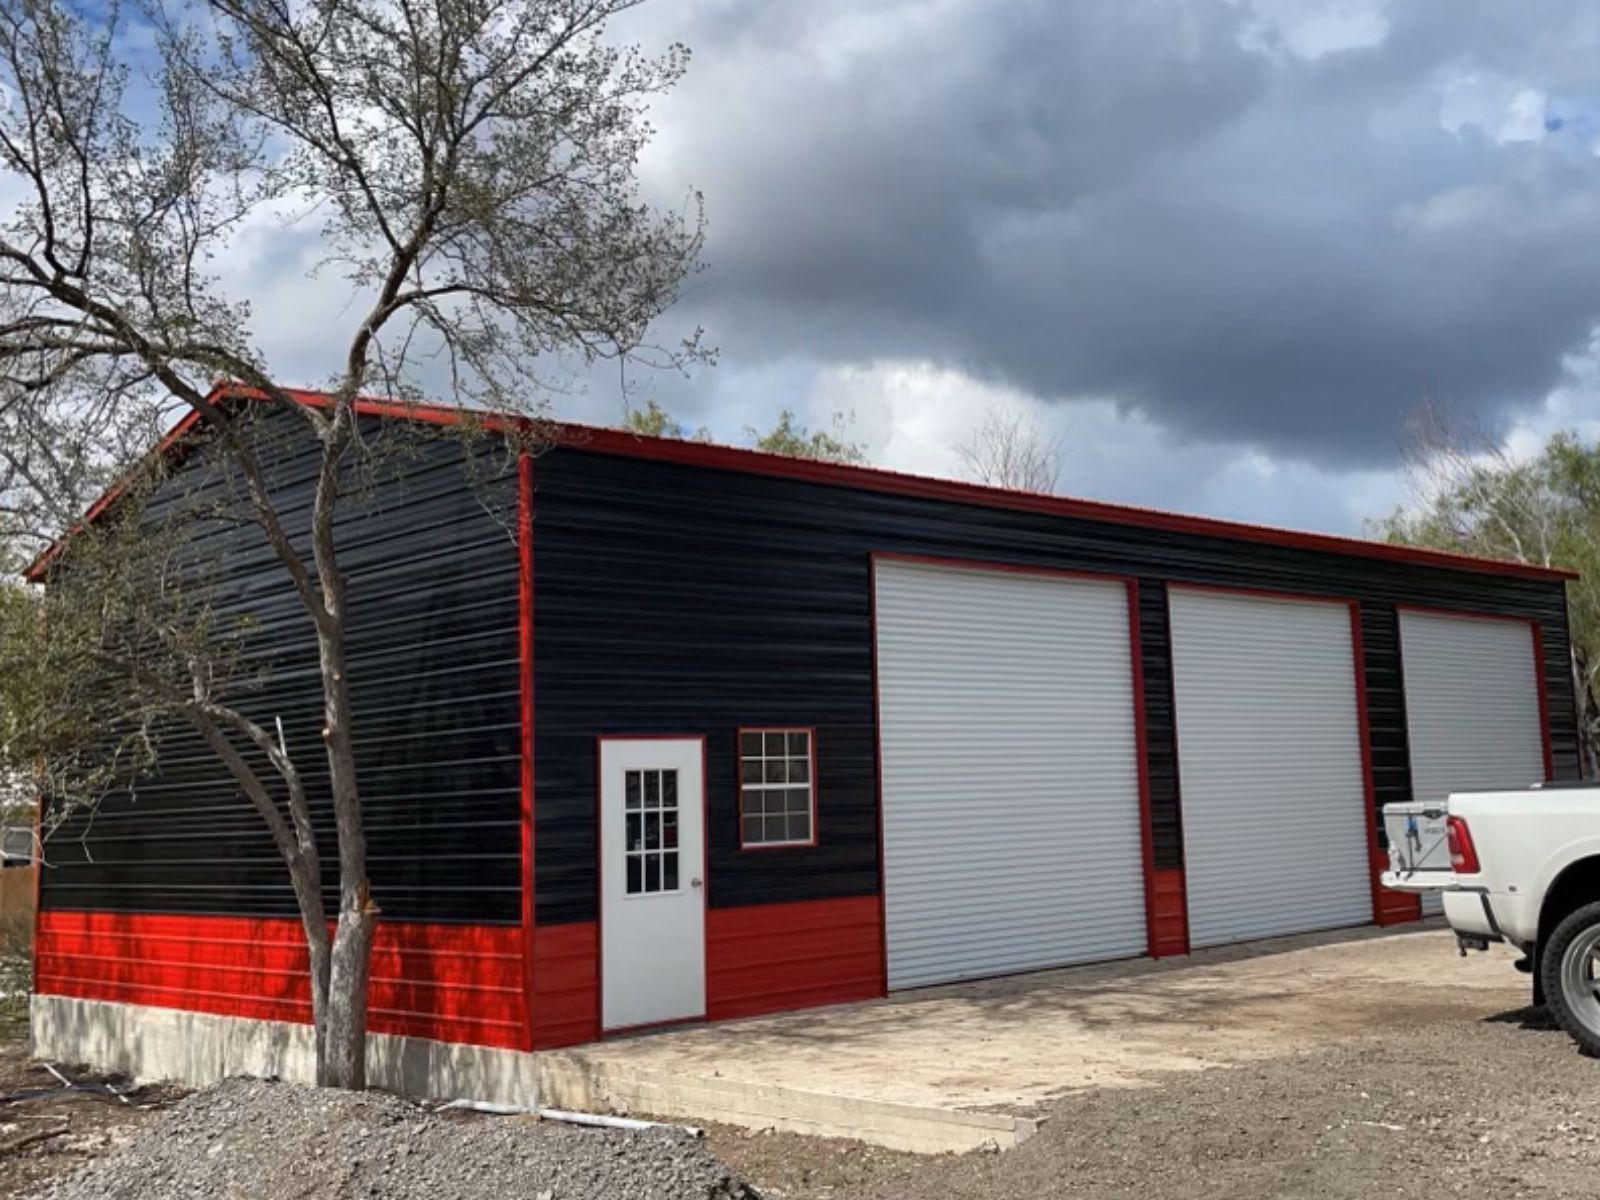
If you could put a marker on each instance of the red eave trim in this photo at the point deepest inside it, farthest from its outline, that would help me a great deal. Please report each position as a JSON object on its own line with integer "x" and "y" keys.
{"x": 876, "y": 479}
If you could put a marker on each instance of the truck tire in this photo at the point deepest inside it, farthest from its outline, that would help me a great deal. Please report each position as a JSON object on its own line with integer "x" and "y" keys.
{"x": 1570, "y": 972}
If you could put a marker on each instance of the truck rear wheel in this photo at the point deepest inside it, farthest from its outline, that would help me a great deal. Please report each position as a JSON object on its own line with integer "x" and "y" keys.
{"x": 1570, "y": 971}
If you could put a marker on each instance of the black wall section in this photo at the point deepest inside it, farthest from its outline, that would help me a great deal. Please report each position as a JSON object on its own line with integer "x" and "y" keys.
{"x": 1386, "y": 707}
{"x": 675, "y": 599}
{"x": 1160, "y": 725}
{"x": 433, "y": 661}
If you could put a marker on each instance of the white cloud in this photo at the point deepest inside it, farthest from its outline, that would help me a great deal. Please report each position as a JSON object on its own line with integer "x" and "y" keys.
{"x": 1312, "y": 29}
{"x": 1506, "y": 110}
{"x": 913, "y": 415}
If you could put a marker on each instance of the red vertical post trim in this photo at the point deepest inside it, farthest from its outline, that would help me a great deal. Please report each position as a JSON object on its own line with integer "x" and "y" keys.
{"x": 525, "y": 661}
{"x": 1369, "y": 794}
{"x": 1544, "y": 700}
{"x": 877, "y": 767}
{"x": 1147, "y": 845}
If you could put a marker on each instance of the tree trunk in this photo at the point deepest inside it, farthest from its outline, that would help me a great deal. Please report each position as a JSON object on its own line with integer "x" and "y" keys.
{"x": 342, "y": 1036}
{"x": 342, "y": 1040}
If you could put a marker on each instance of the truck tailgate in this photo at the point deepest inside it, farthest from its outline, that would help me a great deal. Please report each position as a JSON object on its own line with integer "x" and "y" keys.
{"x": 1419, "y": 855}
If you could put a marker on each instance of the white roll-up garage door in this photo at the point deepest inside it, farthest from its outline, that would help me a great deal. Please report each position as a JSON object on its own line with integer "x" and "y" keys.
{"x": 1010, "y": 785}
{"x": 1472, "y": 703}
{"x": 1275, "y": 830}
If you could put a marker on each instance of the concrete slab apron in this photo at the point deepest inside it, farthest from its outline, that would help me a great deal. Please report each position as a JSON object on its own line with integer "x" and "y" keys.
{"x": 949, "y": 1069}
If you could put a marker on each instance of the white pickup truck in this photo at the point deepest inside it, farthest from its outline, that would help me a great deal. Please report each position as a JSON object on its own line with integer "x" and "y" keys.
{"x": 1521, "y": 867}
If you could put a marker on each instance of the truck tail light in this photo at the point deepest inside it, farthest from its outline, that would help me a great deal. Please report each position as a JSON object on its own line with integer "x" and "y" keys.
{"x": 1463, "y": 854}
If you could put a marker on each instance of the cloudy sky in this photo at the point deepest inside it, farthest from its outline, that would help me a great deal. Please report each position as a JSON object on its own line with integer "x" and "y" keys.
{"x": 1221, "y": 248}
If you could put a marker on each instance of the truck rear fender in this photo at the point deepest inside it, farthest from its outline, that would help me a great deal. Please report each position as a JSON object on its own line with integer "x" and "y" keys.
{"x": 1569, "y": 882}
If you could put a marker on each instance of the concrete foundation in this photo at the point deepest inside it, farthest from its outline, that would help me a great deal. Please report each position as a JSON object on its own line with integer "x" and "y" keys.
{"x": 582, "y": 1080}
{"x": 197, "y": 1049}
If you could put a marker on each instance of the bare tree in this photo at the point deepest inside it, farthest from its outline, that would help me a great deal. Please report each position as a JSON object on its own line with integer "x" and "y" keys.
{"x": 1006, "y": 449}
{"x": 469, "y": 167}
{"x": 1470, "y": 494}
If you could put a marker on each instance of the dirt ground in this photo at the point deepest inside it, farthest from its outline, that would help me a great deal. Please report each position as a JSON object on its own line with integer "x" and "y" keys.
{"x": 89, "y": 1125}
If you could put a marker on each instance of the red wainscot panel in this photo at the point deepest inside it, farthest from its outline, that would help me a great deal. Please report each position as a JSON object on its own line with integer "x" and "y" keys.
{"x": 566, "y": 985}
{"x": 769, "y": 958}
{"x": 451, "y": 983}
{"x": 1392, "y": 908}
{"x": 1169, "y": 914}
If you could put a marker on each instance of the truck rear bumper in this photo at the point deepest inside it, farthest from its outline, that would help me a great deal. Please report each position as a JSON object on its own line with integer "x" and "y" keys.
{"x": 1482, "y": 914}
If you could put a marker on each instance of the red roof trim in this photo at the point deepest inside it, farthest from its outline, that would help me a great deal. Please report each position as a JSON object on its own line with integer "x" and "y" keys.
{"x": 876, "y": 479}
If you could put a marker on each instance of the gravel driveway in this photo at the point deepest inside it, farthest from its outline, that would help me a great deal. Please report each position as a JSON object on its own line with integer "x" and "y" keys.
{"x": 1490, "y": 1109}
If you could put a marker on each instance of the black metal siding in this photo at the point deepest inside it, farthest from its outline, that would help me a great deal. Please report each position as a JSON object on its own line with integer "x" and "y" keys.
{"x": 677, "y": 599}
{"x": 1386, "y": 706}
{"x": 433, "y": 661}
{"x": 1160, "y": 725}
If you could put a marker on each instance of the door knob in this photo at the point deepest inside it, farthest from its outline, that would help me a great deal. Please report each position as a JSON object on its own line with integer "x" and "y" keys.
{"x": 696, "y": 882}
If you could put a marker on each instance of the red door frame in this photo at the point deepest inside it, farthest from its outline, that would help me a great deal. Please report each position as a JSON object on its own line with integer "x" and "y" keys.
{"x": 1136, "y": 669}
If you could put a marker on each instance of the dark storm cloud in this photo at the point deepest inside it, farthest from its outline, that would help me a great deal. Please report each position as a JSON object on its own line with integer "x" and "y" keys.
{"x": 1152, "y": 200}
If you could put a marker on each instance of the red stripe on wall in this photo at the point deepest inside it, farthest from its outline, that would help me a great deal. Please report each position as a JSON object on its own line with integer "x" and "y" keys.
{"x": 768, "y": 958}
{"x": 451, "y": 983}
{"x": 1169, "y": 914}
{"x": 566, "y": 985}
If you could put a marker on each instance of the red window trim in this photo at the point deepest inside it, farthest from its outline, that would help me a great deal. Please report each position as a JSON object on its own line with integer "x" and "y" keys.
{"x": 738, "y": 757}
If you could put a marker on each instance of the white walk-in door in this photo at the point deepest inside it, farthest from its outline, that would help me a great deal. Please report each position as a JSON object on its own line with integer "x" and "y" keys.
{"x": 1275, "y": 828}
{"x": 652, "y": 881}
{"x": 1010, "y": 783}
{"x": 1472, "y": 703}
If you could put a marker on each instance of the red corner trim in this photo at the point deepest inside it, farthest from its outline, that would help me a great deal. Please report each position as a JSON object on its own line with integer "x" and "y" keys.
{"x": 525, "y": 646}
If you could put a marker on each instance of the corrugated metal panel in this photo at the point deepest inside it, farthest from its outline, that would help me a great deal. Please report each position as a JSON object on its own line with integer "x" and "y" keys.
{"x": 1160, "y": 730}
{"x": 1010, "y": 786}
{"x": 1472, "y": 704}
{"x": 433, "y": 661}
{"x": 1269, "y": 748}
{"x": 456, "y": 983}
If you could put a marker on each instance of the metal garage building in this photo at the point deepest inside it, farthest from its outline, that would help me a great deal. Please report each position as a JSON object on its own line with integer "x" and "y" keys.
{"x": 720, "y": 733}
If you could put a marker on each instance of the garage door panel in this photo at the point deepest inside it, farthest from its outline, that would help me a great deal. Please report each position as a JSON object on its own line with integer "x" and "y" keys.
{"x": 1010, "y": 779}
{"x": 1472, "y": 706}
{"x": 1269, "y": 760}
{"x": 1472, "y": 703}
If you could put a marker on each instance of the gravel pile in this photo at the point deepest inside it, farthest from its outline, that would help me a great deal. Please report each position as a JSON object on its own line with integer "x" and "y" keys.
{"x": 253, "y": 1140}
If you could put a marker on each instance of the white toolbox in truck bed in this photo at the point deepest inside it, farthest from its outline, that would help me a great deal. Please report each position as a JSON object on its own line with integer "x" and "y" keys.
{"x": 1419, "y": 854}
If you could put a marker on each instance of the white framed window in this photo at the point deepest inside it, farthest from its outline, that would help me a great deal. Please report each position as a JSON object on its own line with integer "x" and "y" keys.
{"x": 650, "y": 804}
{"x": 777, "y": 788}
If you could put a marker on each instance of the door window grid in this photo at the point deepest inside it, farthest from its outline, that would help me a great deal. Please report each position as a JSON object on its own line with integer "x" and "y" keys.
{"x": 776, "y": 787}
{"x": 650, "y": 848}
